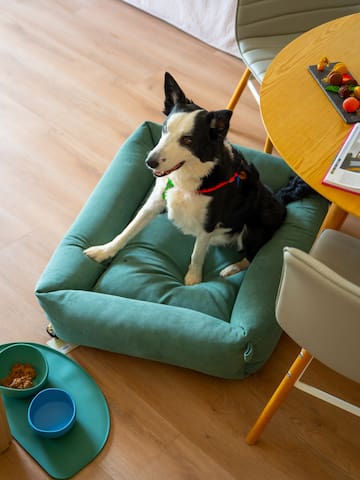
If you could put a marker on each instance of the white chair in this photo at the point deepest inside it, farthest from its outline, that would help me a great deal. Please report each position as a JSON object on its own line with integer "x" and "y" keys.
{"x": 318, "y": 306}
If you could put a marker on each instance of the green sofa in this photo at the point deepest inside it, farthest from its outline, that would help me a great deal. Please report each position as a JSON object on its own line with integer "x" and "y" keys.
{"x": 137, "y": 303}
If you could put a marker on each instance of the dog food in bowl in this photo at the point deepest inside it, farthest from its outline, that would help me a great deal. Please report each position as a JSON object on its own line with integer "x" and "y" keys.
{"x": 20, "y": 376}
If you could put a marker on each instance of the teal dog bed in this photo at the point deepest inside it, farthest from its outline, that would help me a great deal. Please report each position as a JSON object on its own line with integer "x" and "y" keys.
{"x": 137, "y": 304}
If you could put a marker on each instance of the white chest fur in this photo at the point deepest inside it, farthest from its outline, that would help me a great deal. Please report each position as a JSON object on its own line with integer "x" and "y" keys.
{"x": 187, "y": 210}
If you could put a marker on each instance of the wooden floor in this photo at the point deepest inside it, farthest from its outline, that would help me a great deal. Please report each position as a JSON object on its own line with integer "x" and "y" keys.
{"x": 77, "y": 76}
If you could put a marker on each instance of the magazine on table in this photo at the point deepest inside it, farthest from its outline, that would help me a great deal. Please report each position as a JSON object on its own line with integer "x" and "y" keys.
{"x": 344, "y": 172}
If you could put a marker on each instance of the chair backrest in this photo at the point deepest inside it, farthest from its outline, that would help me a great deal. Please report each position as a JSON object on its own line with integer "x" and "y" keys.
{"x": 259, "y": 18}
{"x": 263, "y": 28}
{"x": 320, "y": 309}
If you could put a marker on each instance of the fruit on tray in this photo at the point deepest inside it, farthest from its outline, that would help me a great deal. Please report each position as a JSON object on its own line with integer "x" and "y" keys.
{"x": 340, "y": 81}
{"x": 357, "y": 92}
{"x": 351, "y": 104}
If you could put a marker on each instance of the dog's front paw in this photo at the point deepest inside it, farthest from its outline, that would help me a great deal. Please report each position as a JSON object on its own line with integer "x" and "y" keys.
{"x": 99, "y": 253}
{"x": 192, "y": 277}
{"x": 234, "y": 268}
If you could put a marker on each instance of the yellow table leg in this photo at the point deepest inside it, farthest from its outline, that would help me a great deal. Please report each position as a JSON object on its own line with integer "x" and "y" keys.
{"x": 334, "y": 218}
{"x": 268, "y": 147}
{"x": 299, "y": 365}
{"x": 238, "y": 90}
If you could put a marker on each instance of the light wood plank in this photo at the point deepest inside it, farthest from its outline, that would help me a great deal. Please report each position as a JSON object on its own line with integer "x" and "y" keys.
{"x": 77, "y": 77}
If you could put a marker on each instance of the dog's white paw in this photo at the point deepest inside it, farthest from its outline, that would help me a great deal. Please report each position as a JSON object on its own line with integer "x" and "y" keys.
{"x": 192, "y": 278}
{"x": 99, "y": 253}
{"x": 234, "y": 268}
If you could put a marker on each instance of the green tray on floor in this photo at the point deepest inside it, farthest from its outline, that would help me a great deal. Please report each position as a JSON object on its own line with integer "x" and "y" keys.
{"x": 63, "y": 457}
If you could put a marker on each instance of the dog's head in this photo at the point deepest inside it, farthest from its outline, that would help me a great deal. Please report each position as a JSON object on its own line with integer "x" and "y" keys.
{"x": 191, "y": 136}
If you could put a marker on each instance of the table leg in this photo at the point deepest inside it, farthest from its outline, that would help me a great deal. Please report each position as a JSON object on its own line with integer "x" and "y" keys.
{"x": 334, "y": 218}
{"x": 268, "y": 147}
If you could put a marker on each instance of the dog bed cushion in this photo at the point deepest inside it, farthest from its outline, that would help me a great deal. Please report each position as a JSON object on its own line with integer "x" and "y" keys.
{"x": 137, "y": 303}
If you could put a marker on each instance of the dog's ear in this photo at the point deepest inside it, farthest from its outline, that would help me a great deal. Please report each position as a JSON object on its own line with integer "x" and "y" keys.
{"x": 219, "y": 122}
{"x": 173, "y": 94}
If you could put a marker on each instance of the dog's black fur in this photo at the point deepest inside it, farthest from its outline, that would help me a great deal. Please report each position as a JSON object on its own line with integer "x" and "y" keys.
{"x": 217, "y": 195}
{"x": 241, "y": 205}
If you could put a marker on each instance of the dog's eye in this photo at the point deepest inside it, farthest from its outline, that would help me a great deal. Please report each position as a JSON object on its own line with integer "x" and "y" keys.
{"x": 186, "y": 140}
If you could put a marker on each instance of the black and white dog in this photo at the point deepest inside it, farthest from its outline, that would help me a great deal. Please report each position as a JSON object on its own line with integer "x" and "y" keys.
{"x": 209, "y": 190}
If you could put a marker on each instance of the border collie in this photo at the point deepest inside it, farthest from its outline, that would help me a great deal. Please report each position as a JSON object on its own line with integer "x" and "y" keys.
{"x": 207, "y": 187}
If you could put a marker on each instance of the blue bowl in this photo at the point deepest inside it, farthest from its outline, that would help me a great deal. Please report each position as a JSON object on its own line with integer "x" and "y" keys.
{"x": 52, "y": 412}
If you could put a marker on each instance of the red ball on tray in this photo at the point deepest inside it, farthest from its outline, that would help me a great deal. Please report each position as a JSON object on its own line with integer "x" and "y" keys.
{"x": 351, "y": 104}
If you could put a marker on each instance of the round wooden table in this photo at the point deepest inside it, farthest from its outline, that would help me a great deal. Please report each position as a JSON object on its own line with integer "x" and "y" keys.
{"x": 302, "y": 124}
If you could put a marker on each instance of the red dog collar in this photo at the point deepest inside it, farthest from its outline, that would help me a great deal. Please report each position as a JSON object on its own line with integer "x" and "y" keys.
{"x": 239, "y": 176}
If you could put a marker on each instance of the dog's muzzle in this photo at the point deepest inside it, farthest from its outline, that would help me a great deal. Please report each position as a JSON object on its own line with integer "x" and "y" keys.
{"x": 153, "y": 164}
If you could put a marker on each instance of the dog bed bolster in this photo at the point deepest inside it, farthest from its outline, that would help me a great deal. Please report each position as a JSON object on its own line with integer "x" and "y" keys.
{"x": 137, "y": 304}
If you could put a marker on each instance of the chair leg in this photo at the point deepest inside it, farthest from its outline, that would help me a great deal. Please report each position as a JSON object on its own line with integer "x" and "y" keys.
{"x": 238, "y": 90}
{"x": 296, "y": 369}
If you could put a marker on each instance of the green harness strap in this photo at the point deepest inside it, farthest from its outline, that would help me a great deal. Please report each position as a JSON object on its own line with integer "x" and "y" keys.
{"x": 168, "y": 186}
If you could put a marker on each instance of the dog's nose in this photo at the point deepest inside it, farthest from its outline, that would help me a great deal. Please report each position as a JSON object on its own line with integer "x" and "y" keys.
{"x": 152, "y": 162}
